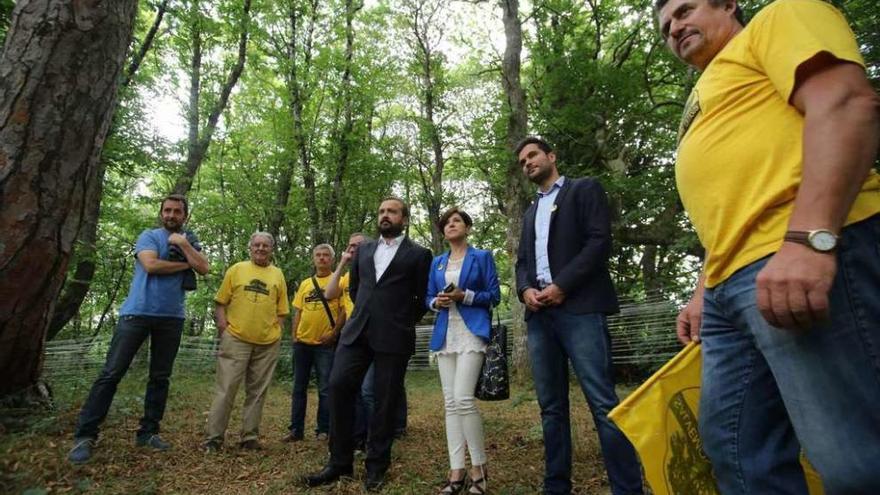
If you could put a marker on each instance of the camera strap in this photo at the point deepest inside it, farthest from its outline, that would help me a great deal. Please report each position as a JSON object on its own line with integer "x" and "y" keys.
{"x": 320, "y": 292}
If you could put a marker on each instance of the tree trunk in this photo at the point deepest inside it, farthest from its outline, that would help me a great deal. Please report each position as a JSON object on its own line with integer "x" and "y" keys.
{"x": 430, "y": 173}
{"x": 59, "y": 74}
{"x": 516, "y": 187}
{"x": 75, "y": 289}
{"x": 199, "y": 140}
{"x": 329, "y": 231}
{"x": 299, "y": 92}
{"x": 649, "y": 271}
{"x": 297, "y": 89}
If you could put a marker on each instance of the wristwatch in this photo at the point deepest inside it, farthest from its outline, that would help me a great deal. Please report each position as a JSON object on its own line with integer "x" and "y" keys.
{"x": 821, "y": 240}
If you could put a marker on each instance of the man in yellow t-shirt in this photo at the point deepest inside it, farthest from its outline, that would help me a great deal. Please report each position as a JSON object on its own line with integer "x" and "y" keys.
{"x": 774, "y": 164}
{"x": 315, "y": 329}
{"x": 251, "y": 305}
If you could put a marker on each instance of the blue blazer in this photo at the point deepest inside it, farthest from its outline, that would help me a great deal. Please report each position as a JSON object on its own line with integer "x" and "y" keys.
{"x": 478, "y": 274}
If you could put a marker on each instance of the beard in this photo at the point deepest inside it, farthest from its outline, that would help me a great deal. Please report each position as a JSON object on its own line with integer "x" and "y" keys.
{"x": 390, "y": 229}
{"x": 539, "y": 176}
{"x": 172, "y": 225}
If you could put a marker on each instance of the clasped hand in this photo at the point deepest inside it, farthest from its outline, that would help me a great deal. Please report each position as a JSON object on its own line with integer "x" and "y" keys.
{"x": 536, "y": 299}
{"x": 445, "y": 299}
{"x": 177, "y": 239}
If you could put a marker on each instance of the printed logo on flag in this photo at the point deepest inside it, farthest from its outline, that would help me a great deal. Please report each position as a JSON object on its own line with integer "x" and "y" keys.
{"x": 687, "y": 468}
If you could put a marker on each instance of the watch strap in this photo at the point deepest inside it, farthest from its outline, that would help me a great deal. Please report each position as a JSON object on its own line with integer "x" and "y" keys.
{"x": 798, "y": 236}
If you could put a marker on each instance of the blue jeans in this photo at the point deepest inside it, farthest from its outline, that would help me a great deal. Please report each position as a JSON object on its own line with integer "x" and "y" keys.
{"x": 131, "y": 331}
{"x": 305, "y": 357}
{"x": 767, "y": 391}
{"x": 365, "y": 405}
{"x": 556, "y": 337}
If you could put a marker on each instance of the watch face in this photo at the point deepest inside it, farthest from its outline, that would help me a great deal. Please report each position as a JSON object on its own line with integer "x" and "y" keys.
{"x": 822, "y": 240}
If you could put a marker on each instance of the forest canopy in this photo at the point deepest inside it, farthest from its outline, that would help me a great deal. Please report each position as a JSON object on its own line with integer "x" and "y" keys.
{"x": 297, "y": 116}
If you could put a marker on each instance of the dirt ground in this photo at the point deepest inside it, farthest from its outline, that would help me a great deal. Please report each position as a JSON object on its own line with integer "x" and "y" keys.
{"x": 34, "y": 461}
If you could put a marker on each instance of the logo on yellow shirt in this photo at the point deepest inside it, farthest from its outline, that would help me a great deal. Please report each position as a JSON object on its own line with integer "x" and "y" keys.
{"x": 691, "y": 110}
{"x": 314, "y": 297}
{"x": 257, "y": 286}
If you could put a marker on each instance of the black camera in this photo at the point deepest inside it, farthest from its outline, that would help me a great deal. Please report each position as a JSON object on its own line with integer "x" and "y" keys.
{"x": 176, "y": 254}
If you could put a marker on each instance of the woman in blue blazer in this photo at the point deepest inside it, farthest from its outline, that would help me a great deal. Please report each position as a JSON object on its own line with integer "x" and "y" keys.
{"x": 462, "y": 289}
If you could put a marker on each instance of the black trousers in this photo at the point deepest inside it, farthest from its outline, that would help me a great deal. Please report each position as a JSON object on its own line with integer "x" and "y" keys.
{"x": 349, "y": 367}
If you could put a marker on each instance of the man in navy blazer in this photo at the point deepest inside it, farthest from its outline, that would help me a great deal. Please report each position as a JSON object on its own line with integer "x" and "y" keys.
{"x": 562, "y": 278}
{"x": 388, "y": 280}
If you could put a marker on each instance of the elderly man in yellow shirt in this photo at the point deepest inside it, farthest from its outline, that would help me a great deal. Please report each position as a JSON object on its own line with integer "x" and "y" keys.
{"x": 251, "y": 305}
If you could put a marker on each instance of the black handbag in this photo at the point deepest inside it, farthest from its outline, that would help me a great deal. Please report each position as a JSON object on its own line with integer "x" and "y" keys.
{"x": 494, "y": 382}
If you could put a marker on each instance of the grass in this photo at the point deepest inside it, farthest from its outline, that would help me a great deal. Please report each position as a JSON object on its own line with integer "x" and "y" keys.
{"x": 34, "y": 461}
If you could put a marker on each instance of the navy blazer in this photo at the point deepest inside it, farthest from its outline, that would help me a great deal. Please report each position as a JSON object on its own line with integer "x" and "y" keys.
{"x": 478, "y": 274}
{"x": 578, "y": 247}
{"x": 387, "y": 309}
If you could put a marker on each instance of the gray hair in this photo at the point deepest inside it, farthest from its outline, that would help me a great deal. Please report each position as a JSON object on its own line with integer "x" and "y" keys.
{"x": 328, "y": 247}
{"x": 262, "y": 234}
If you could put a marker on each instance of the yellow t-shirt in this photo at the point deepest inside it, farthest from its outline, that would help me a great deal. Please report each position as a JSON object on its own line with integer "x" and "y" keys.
{"x": 254, "y": 296}
{"x": 740, "y": 156}
{"x": 313, "y": 321}
{"x": 347, "y": 303}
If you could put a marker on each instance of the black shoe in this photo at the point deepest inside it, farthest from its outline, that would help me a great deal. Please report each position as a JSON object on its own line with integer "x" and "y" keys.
{"x": 326, "y": 476}
{"x": 375, "y": 481}
{"x": 251, "y": 444}
{"x": 292, "y": 437}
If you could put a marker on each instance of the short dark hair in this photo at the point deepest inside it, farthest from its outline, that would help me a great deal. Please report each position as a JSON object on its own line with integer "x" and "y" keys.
{"x": 444, "y": 218}
{"x": 543, "y": 145}
{"x": 404, "y": 207}
{"x": 176, "y": 197}
{"x": 738, "y": 13}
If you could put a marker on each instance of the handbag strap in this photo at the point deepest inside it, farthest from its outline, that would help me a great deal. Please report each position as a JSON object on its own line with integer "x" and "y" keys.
{"x": 320, "y": 292}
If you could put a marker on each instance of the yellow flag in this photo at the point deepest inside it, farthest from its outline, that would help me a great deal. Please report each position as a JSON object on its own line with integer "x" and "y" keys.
{"x": 660, "y": 419}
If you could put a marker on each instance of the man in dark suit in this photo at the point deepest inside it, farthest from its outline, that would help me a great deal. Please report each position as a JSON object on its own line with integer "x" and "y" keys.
{"x": 562, "y": 278}
{"x": 389, "y": 279}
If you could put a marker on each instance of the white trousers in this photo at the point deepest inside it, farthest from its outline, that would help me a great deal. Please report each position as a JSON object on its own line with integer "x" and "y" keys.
{"x": 464, "y": 426}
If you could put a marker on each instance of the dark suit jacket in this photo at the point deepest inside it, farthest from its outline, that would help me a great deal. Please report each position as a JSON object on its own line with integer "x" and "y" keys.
{"x": 388, "y": 309}
{"x": 578, "y": 247}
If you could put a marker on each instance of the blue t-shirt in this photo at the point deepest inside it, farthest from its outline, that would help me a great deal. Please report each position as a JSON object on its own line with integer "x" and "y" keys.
{"x": 155, "y": 295}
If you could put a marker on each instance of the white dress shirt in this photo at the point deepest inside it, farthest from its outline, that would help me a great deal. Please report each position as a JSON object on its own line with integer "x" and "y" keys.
{"x": 385, "y": 251}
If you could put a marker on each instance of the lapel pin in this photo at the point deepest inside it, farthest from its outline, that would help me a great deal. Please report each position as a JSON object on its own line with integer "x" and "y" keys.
{"x": 554, "y": 208}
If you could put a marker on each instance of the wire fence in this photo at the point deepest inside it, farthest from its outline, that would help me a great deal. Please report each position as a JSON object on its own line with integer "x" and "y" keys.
{"x": 642, "y": 339}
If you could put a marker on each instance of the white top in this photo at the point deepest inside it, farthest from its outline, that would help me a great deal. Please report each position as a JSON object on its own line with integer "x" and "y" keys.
{"x": 385, "y": 252}
{"x": 458, "y": 338}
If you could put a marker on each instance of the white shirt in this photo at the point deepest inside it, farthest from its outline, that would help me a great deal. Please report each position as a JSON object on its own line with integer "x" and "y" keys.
{"x": 458, "y": 338}
{"x": 385, "y": 251}
{"x": 546, "y": 206}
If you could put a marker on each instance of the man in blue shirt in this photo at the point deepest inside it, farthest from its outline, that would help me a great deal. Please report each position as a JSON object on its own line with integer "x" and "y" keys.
{"x": 562, "y": 278}
{"x": 153, "y": 308}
